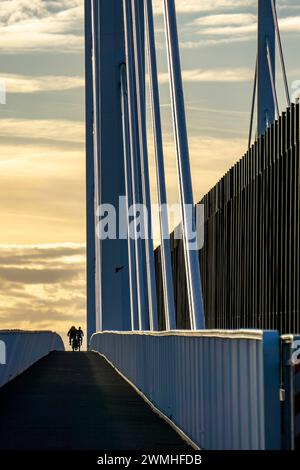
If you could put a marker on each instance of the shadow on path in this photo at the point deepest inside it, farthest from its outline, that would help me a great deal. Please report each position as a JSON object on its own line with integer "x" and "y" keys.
{"x": 71, "y": 401}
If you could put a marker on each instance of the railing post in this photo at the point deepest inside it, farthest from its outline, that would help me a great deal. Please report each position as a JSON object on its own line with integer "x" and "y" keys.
{"x": 271, "y": 373}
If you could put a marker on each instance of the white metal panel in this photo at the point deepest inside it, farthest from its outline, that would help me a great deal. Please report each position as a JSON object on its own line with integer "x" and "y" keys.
{"x": 212, "y": 385}
{"x": 23, "y": 349}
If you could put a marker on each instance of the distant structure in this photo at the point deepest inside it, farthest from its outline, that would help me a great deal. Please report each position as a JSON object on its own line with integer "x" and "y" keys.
{"x": 250, "y": 260}
{"x": 129, "y": 287}
{"x": 117, "y": 165}
{"x": 264, "y": 88}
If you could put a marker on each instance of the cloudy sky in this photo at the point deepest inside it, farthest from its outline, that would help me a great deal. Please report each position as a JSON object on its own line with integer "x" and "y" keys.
{"x": 42, "y": 206}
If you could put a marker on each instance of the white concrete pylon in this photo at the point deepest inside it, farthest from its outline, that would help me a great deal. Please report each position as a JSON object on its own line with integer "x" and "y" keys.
{"x": 160, "y": 172}
{"x": 141, "y": 117}
{"x": 197, "y": 318}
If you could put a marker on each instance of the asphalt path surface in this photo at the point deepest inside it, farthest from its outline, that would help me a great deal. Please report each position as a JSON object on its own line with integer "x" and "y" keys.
{"x": 77, "y": 401}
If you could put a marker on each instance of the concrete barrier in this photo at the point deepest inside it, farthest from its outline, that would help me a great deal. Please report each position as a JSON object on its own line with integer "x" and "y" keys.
{"x": 21, "y": 349}
{"x": 221, "y": 388}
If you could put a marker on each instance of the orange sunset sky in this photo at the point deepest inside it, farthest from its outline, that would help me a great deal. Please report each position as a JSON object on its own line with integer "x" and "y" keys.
{"x": 42, "y": 155}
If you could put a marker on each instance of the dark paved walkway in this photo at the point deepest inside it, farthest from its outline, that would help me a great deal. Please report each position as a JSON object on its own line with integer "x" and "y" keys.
{"x": 77, "y": 401}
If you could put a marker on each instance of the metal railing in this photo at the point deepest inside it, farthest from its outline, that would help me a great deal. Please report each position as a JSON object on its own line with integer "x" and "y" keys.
{"x": 220, "y": 388}
{"x": 19, "y": 350}
{"x": 250, "y": 259}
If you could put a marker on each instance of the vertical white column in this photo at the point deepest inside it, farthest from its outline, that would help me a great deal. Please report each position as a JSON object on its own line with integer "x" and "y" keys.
{"x": 132, "y": 114}
{"x": 167, "y": 276}
{"x": 129, "y": 200}
{"x": 96, "y": 126}
{"x": 90, "y": 176}
{"x": 141, "y": 115}
{"x": 183, "y": 166}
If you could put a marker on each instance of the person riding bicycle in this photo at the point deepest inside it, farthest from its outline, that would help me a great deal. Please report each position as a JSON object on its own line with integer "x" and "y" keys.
{"x": 72, "y": 334}
{"x": 75, "y": 344}
{"x": 80, "y": 335}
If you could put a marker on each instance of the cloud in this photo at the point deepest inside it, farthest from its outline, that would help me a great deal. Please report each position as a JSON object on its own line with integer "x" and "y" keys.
{"x": 212, "y": 75}
{"x": 227, "y": 28}
{"x": 225, "y": 19}
{"x": 26, "y": 41}
{"x": 193, "y": 6}
{"x": 16, "y": 255}
{"x": 239, "y": 25}
{"x": 39, "y": 25}
{"x": 29, "y": 84}
{"x": 210, "y": 42}
{"x": 42, "y": 189}
{"x": 37, "y": 276}
{"x": 42, "y": 286}
{"x": 15, "y": 11}
{"x": 55, "y": 130}
{"x": 290, "y": 24}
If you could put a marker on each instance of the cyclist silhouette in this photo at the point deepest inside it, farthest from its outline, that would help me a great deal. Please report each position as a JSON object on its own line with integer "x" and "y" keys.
{"x": 72, "y": 334}
{"x": 80, "y": 335}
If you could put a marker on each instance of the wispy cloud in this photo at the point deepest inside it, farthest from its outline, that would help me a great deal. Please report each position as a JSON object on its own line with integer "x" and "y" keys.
{"x": 290, "y": 24}
{"x": 16, "y": 11}
{"x": 46, "y": 254}
{"x": 240, "y": 25}
{"x": 212, "y": 75}
{"x": 29, "y": 84}
{"x": 194, "y": 6}
{"x": 213, "y": 42}
{"x": 55, "y": 130}
{"x": 225, "y": 19}
{"x": 42, "y": 286}
{"x": 43, "y": 276}
{"x": 225, "y": 28}
{"x": 39, "y": 25}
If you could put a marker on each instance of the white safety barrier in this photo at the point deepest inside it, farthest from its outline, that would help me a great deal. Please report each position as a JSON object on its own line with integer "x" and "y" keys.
{"x": 21, "y": 349}
{"x": 221, "y": 388}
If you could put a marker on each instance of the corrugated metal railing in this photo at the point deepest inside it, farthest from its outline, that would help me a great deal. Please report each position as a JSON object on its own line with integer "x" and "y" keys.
{"x": 220, "y": 388}
{"x": 21, "y": 349}
{"x": 250, "y": 260}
